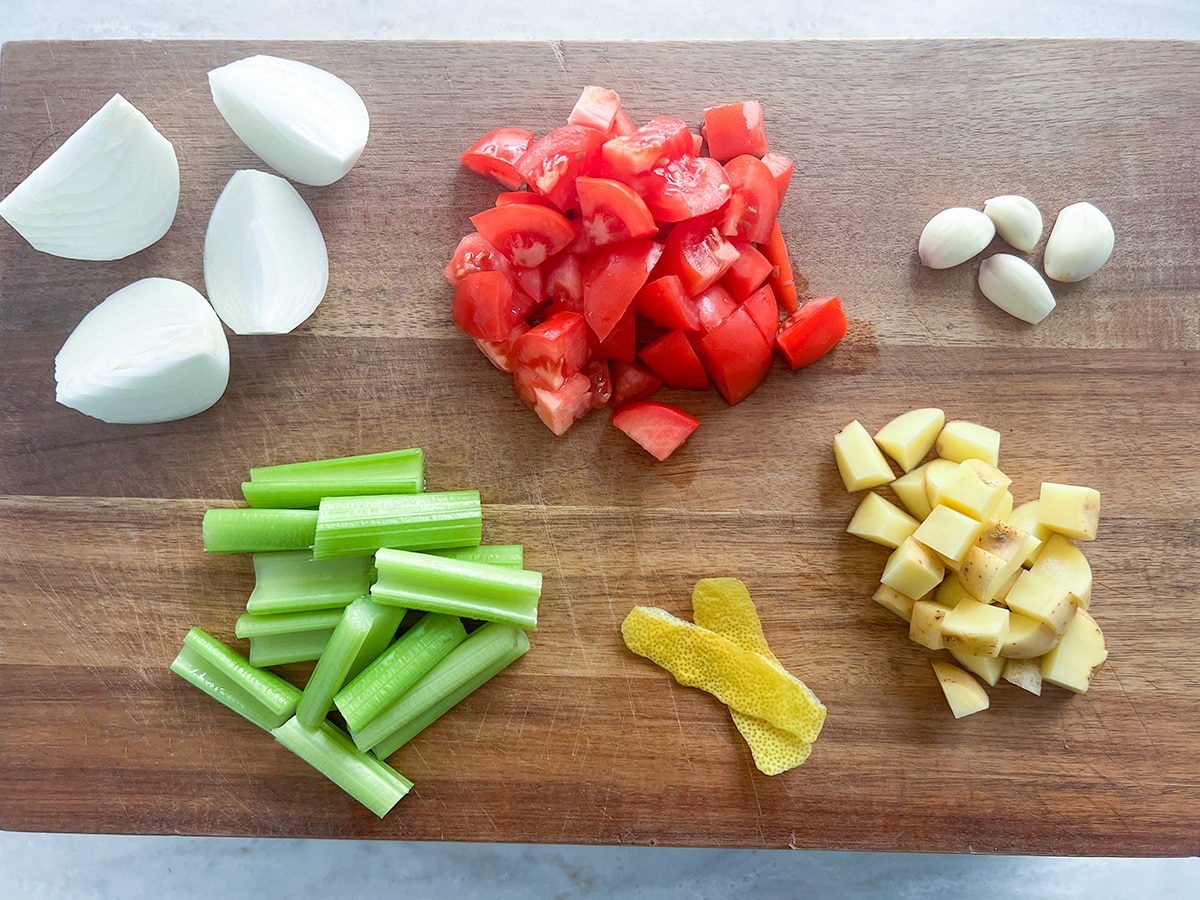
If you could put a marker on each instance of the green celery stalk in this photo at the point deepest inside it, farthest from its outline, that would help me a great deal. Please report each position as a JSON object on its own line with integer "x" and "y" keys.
{"x": 305, "y": 484}
{"x": 373, "y": 783}
{"x": 225, "y": 675}
{"x": 497, "y": 554}
{"x": 281, "y": 649}
{"x": 241, "y": 530}
{"x": 457, "y": 587}
{"x": 358, "y": 526}
{"x": 361, "y": 624}
{"x": 249, "y": 625}
{"x": 484, "y": 653}
{"x": 293, "y": 581}
{"x": 398, "y": 668}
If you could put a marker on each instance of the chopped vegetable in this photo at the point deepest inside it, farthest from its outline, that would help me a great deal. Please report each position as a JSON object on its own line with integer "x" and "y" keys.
{"x": 293, "y": 582}
{"x": 495, "y": 554}
{"x": 258, "y": 530}
{"x": 276, "y": 640}
{"x": 657, "y": 427}
{"x": 812, "y": 331}
{"x": 297, "y": 485}
{"x": 354, "y": 526}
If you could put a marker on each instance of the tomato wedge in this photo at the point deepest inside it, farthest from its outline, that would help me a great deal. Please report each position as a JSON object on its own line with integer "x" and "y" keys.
{"x": 508, "y": 198}
{"x": 736, "y": 356}
{"x": 750, "y": 213}
{"x": 631, "y": 382}
{"x": 782, "y": 281}
{"x": 664, "y": 302}
{"x": 558, "y": 408}
{"x": 495, "y": 154}
{"x": 698, "y": 253}
{"x": 748, "y": 271}
{"x": 683, "y": 188}
{"x": 612, "y": 211}
{"x": 659, "y": 141}
{"x": 474, "y": 254}
{"x": 564, "y": 281}
{"x": 611, "y": 277}
{"x": 487, "y": 307}
{"x": 713, "y": 306}
{"x": 764, "y": 311}
{"x": 673, "y": 359}
{"x": 554, "y": 350}
{"x": 499, "y": 353}
{"x": 781, "y": 169}
{"x": 552, "y": 163}
{"x": 596, "y": 107}
{"x": 526, "y": 233}
{"x": 812, "y": 331}
{"x": 732, "y": 129}
{"x": 658, "y": 428}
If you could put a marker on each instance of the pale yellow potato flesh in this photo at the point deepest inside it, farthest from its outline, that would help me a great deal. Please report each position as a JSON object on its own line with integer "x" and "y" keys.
{"x": 951, "y": 592}
{"x": 988, "y": 473}
{"x": 937, "y": 475}
{"x": 1028, "y": 638}
{"x": 975, "y": 628}
{"x": 1025, "y": 518}
{"x": 965, "y": 695}
{"x": 1025, "y": 674}
{"x": 1069, "y": 509}
{"x": 988, "y": 668}
{"x": 859, "y": 460}
{"x": 910, "y": 436}
{"x": 925, "y": 624}
{"x": 881, "y": 522}
{"x": 997, "y": 554}
{"x": 910, "y": 489}
{"x": 913, "y": 569}
{"x": 948, "y": 532}
{"x": 969, "y": 494}
{"x": 1043, "y": 599}
{"x": 1062, "y": 561}
{"x": 894, "y": 601}
{"x": 1079, "y": 652}
{"x": 961, "y": 440}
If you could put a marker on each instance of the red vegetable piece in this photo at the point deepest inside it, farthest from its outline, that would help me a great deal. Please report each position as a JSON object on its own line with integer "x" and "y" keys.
{"x": 750, "y": 213}
{"x": 736, "y": 356}
{"x": 485, "y": 306}
{"x": 612, "y": 211}
{"x": 812, "y": 331}
{"x": 713, "y": 306}
{"x": 510, "y": 198}
{"x": 660, "y": 140}
{"x": 553, "y": 162}
{"x": 554, "y": 350}
{"x": 781, "y": 169}
{"x": 672, "y": 358}
{"x": 494, "y": 155}
{"x": 474, "y": 254}
{"x": 748, "y": 271}
{"x": 611, "y": 277}
{"x": 698, "y": 253}
{"x": 782, "y": 281}
{"x": 632, "y": 382}
{"x": 735, "y": 128}
{"x": 595, "y": 108}
{"x": 683, "y": 188}
{"x": 622, "y": 125}
{"x": 658, "y": 427}
{"x": 499, "y": 353}
{"x": 564, "y": 281}
{"x": 621, "y": 343}
{"x": 665, "y": 302}
{"x": 531, "y": 281}
{"x": 697, "y": 143}
{"x": 526, "y": 233}
{"x": 558, "y": 408}
{"x": 599, "y": 374}
{"x": 763, "y": 309}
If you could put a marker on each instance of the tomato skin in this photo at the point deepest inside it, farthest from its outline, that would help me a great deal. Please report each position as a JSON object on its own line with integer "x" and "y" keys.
{"x": 621, "y": 343}
{"x": 736, "y": 356}
{"x": 599, "y": 374}
{"x": 531, "y": 281}
{"x": 632, "y": 381}
{"x": 612, "y": 211}
{"x": 698, "y": 253}
{"x": 554, "y": 161}
{"x": 500, "y": 353}
{"x": 812, "y": 331}
{"x": 595, "y": 108}
{"x": 485, "y": 306}
{"x": 474, "y": 254}
{"x": 714, "y": 305}
{"x": 683, "y": 188}
{"x": 611, "y": 277}
{"x": 564, "y": 281}
{"x": 781, "y": 168}
{"x": 672, "y": 358}
{"x": 664, "y": 302}
{"x": 662, "y": 139}
{"x": 495, "y": 154}
{"x": 732, "y": 129}
{"x": 526, "y": 233}
{"x": 751, "y": 211}
{"x": 509, "y": 198}
{"x": 658, "y": 428}
{"x": 622, "y": 125}
{"x": 763, "y": 309}
{"x": 782, "y": 281}
{"x": 555, "y": 349}
{"x": 558, "y": 408}
{"x": 748, "y": 271}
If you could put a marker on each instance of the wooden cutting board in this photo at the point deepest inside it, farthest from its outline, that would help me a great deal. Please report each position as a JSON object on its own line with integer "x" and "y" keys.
{"x": 101, "y": 569}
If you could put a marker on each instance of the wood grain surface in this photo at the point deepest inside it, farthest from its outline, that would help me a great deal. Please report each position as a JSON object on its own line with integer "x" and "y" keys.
{"x": 101, "y": 569}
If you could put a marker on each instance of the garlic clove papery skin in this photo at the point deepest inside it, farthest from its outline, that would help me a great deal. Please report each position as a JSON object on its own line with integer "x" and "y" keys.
{"x": 953, "y": 236}
{"x": 1080, "y": 242}
{"x": 302, "y": 121}
{"x": 266, "y": 266}
{"x": 1018, "y": 220}
{"x": 154, "y": 351}
{"x": 110, "y": 190}
{"x": 1016, "y": 287}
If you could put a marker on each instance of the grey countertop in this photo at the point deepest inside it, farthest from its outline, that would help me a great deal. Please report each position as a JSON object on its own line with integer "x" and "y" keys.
{"x": 104, "y": 866}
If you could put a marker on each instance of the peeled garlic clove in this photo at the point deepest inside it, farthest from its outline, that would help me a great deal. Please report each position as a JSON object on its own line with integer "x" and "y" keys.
{"x": 302, "y": 121}
{"x": 109, "y": 191}
{"x": 265, "y": 263}
{"x": 1080, "y": 242}
{"x": 1018, "y": 221}
{"x": 953, "y": 236}
{"x": 1016, "y": 287}
{"x": 152, "y": 352}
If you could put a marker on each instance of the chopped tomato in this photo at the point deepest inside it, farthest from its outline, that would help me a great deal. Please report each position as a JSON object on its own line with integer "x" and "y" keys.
{"x": 621, "y": 125}
{"x": 474, "y": 254}
{"x": 631, "y": 382}
{"x": 748, "y": 271}
{"x": 525, "y": 233}
{"x": 531, "y": 281}
{"x": 658, "y": 427}
{"x": 599, "y": 374}
{"x": 552, "y": 163}
{"x": 621, "y": 342}
{"x": 673, "y": 359}
{"x": 781, "y": 169}
{"x": 736, "y": 356}
{"x": 611, "y": 277}
{"x": 564, "y": 281}
{"x": 764, "y": 311}
{"x": 683, "y": 188}
{"x": 782, "y": 281}
{"x": 612, "y": 211}
{"x": 698, "y": 253}
{"x": 499, "y": 353}
{"x": 595, "y": 108}
{"x": 660, "y": 140}
{"x": 665, "y": 302}
{"x": 485, "y": 306}
{"x": 558, "y": 408}
{"x": 812, "y": 331}
{"x": 554, "y": 350}
{"x": 713, "y": 306}
{"x": 508, "y": 198}
{"x": 750, "y": 213}
{"x": 495, "y": 154}
{"x": 735, "y": 128}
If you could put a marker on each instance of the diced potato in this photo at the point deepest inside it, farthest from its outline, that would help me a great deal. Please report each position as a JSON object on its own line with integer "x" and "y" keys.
{"x": 1024, "y": 517}
{"x": 949, "y": 532}
{"x": 1062, "y": 561}
{"x": 1069, "y": 509}
{"x": 910, "y": 436}
{"x": 1044, "y": 599}
{"x": 1027, "y": 638}
{"x": 991, "y": 562}
{"x": 859, "y": 460}
{"x": 961, "y": 440}
{"x": 1002, "y": 592}
{"x": 965, "y": 695}
{"x": 939, "y": 473}
{"x": 988, "y": 473}
{"x": 910, "y": 488}
{"x": 970, "y": 494}
{"x": 894, "y": 601}
{"x": 975, "y": 628}
{"x": 1025, "y": 674}
{"x": 913, "y": 569}
{"x": 925, "y": 625}
{"x": 950, "y": 591}
{"x": 1079, "y": 652}
{"x": 881, "y": 522}
{"x": 988, "y": 668}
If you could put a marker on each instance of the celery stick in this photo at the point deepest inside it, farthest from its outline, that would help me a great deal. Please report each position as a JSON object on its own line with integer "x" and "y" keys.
{"x": 485, "y": 652}
{"x": 242, "y": 530}
{"x": 262, "y": 697}
{"x": 281, "y": 649}
{"x": 294, "y": 582}
{"x": 373, "y": 783}
{"x": 497, "y": 554}
{"x": 457, "y": 587}
{"x": 357, "y": 526}
{"x": 388, "y": 467}
{"x": 398, "y": 668}
{"x": 385, "y": 622}
{"x": 362, "y": 620}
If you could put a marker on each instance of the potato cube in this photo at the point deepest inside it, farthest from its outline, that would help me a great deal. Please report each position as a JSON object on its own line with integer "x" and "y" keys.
{"x": 910, "y": 488}
{"x": 1062, "y": 561}
{"x": 925, "y": 625}
{"x": 859, "y": 460}
{"x": 988, "y": 668}
{"x": 881, "y": 522}
{"x": 939, "y": 473}
{"x": 1079, "y": 652}
{"x": 988, "y": 473}
{"x": 965, "y": 695}
{"x": 910, "y": 436}
{"x": 894, "y": 601}
{"x": 949, "y": 532}
{"x": 1028, "y": 637}
{"x": 1024, "y": 517}
{"x": 1025, "y": 674}
{"x": 970, "y": 494}
{"x": 913, "y": 569}
{"x": 975, "y": 628}
{"x": 966, "y": 440}
{"x": 1070, "y": 510}
{"x": 1044, "y": 599}
{"x": 950, "y": 592}
{"x": 997, "y": 554}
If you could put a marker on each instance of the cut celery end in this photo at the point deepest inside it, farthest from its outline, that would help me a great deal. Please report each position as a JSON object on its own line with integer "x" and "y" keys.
{"x": 457, "y": 587}
{"x": 371, "y": 782}
{"x": 484, "y": 653}
{"x": 252, "y": 626}
{"x": 512, "y": 555}
{"x": 292, "y": 581}
{"x": 358, "y": 526}
{"x": 225, "y": 675}
{"x": 281, "y": 649}
{"x": 240, "y": 530}
{"x": 360, "y": 627}
{"x": 390, "y": 466}
{"x": 398, "y": 668}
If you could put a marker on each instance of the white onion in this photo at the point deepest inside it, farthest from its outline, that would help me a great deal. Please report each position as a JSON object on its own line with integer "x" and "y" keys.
{"x": 302, "y": 121}
{"x": 265, "y": 263}
{"x": 110, "y": 190}
{"x": 152, "y": 352}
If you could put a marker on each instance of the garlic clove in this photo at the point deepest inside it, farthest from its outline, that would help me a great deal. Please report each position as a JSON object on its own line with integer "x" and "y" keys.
{"x": 154, "y": 351}
{"x": 1080, "y": 242}
{"x": 110, "y": 190}
{"x": 953, "y": 236}
{"x": 266, "y": 267}
{"x": 1018, "y": 220}
{"x": 304, "y": 122}
{"x": 1016, "y": 287}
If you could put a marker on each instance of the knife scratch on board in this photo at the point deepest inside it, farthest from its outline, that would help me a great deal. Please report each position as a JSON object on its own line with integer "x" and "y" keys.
{"x": 556, "y": 47}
